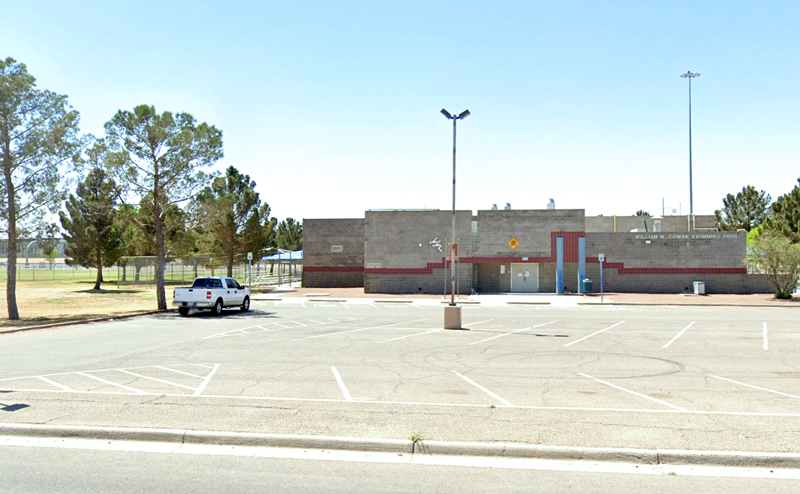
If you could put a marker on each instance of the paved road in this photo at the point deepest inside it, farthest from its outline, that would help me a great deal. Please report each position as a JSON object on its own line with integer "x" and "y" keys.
{"x": 686, "y": 378}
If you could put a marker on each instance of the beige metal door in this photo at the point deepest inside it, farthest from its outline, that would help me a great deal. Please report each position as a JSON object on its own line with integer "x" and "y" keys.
{"x": 524, "y": 277}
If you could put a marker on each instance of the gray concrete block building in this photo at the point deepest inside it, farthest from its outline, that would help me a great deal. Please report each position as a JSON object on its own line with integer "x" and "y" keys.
{"x": 551, "y": 250}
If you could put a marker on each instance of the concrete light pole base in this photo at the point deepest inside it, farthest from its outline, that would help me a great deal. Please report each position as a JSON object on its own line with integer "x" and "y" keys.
{"x": 452, "y": 317}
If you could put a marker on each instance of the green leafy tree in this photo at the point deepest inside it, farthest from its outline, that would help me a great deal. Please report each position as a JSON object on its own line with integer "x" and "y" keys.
{"x": 159, "y": 158}
{"x": 778, "y": 258}
{"x": 231, "y": 211}
{"x": 289, "y": 235}
{"x": 134, "y": 242}
{"x": 784, "y": 215}
{"x": 92, "y": 234}
{"x": 743, "y": 211}
{"x": 753, "y": 234}
{"x": 48, "y": 242}
{"x": 38, "y": 136}
{"x": 642, "y": 212}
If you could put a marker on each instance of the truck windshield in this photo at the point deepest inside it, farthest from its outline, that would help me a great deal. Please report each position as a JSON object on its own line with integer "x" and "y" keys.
{"x": 207, "y": 283}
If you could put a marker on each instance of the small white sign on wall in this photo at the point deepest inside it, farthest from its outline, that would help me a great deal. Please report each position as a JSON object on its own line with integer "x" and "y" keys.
{"x": 502, "y": 269}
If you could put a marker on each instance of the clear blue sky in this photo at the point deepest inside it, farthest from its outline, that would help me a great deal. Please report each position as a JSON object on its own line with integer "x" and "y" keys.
{"x": 333, "y": 107}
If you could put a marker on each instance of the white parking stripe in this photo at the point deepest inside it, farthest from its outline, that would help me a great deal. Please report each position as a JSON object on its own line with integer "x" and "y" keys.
{"x": 634, "y": 393}
{"x": 412, "y": 335}
{"x": 766, "y": 342}
{"x": 346, "y": 393}
{"x": 157, "y": 380}
{"x": 512, "y": 332}
{"x": 356, "y": 330}
{"x": 431, "y": 404}
{"x": 596, "y": 332}
{"x": 179, "y": 372}
{"x": 53, "y": 383}
{"x": 757, "y": 387}
{"x": 500, "y": 399}
{"x": 137, "y": 391}
{"x": 205, "y": 382}
{"x": 678, "y": 335}
{"x": 480, "y": 322}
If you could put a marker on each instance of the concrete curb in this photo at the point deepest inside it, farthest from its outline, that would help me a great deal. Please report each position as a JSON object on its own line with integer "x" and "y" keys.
{"x": 436, "y": 448}
{"x": 86, "y": 321}
{"x": 661, "y": 304}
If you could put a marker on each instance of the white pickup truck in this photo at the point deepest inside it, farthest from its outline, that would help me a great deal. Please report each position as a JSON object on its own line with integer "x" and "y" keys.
{"x": 214, "y": 293}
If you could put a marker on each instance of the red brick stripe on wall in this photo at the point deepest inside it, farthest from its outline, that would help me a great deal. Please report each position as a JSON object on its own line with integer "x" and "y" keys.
{"x": 332, "y": 268}
{"x": 570, "y": 255}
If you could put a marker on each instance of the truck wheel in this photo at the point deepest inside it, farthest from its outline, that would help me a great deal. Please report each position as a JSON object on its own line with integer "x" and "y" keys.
{"x": 184, "y": 311}
{"x": 218, "y": 307}
{"x": 245, "y": 304}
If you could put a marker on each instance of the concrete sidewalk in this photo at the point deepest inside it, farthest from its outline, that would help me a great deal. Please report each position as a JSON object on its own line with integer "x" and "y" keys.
{"x": 298, "y": 295}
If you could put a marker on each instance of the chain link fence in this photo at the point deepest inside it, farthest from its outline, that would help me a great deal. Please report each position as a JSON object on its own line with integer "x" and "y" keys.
{"x": 141, "y": 271}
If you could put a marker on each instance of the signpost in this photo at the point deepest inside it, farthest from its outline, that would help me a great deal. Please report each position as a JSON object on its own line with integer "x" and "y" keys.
{"x": 601, "y": 258}
{"x": 250, "y": 269}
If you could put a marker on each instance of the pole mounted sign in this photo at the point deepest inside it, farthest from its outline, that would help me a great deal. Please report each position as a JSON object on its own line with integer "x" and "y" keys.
{"x": 601, "y": 258}
{"x": 250, "y": 269}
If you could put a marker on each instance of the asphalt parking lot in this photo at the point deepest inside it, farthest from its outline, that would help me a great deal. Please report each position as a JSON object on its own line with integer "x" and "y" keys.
{"x": 722, "y": 378}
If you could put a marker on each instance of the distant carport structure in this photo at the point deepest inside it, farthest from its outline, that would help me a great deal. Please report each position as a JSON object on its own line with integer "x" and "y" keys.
{"x": 290, "y": 267}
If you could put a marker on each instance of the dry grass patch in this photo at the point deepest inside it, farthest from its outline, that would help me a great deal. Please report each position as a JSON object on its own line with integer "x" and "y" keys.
{"x": 53, "y": 302}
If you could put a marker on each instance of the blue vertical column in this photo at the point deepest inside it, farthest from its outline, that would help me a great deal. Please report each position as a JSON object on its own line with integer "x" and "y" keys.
{"x": 581, "y": 262}
{"x": 559, "y": 264}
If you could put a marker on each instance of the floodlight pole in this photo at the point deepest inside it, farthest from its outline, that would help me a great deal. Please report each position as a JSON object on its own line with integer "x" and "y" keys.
{"x": 690, "y": 75}
{"x": 454, "y": 118}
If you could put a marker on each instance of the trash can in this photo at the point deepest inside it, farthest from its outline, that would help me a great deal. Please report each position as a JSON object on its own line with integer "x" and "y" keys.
{"x": 587, "y": 285}
{"x": 699, "y": 287}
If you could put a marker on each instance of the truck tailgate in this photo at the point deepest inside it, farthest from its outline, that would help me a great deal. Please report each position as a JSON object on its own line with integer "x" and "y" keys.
{"x": 192, "y": 295}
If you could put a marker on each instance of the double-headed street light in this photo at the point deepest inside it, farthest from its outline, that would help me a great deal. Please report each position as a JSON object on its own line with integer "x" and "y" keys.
{"x": 464, "y": 114}
{"x": 690, "y": 75}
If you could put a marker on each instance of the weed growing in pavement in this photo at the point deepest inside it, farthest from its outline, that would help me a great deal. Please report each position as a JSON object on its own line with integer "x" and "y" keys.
{"x": 415, "y": 438}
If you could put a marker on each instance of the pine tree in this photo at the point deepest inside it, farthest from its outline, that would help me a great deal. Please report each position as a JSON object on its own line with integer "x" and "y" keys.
{"x": 93, "y": 239}
{"x": 744, "y": 211}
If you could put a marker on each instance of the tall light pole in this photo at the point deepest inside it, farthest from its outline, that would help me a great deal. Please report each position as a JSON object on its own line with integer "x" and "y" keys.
{"x": 464, "y": 114}
{"x": 690, "y": 75}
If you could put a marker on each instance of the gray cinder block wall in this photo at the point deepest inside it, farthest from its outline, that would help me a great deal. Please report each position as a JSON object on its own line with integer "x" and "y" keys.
{"x": 333, "y": 253}
{"x": 531, "y": 228}
{"x": 624, "y": 224}
{"x": 717, "y": 253}
{"x": 404, "y": 250}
